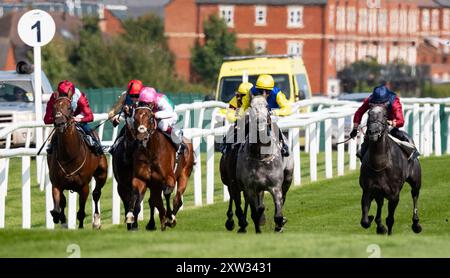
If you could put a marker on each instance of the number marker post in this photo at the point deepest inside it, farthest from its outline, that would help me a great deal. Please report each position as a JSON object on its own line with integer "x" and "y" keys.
{"x": 36, "y": 28}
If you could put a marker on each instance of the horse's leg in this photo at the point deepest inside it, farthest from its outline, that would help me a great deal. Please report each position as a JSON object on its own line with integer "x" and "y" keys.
{"x": 56, "y": 211}
{"x": 262, "y": 219}
{"x": 277, "y": 196}
{"x": 392, "y": 205}
{"x": 151, "y": 226}
{"x": 134, "y": 202}
{"x": 100, "y": 176}
{"x": 241, "y": 215}
{"x": 415, "y": 189}
{"x": 81, "y": 214}
{"x": 178, "y": 200}
{"x": 381, "y": 229}
{"x": 366, "y": 199}
{"x": 167, "y": 193}
{"x": 229, "y": 224}
{"x": 162, "y": 210}
{"x": 62, "y": 216}
{"x": 253, "y": 200}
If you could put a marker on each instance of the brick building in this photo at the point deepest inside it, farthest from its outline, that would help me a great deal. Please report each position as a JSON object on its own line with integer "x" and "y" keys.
{"x": 328, "y": 34}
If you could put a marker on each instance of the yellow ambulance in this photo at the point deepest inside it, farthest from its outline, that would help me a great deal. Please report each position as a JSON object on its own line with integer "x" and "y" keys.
{"x": 288, "y": 72}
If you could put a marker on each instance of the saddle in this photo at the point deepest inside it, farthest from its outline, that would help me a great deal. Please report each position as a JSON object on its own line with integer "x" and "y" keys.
{"x": 408, "y": 148}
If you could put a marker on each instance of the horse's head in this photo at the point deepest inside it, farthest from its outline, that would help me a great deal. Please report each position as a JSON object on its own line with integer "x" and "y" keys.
{"x": 377, "y": 122}
{"x": 62, "y": 113}
{"x": 259, "y": 113}
{"x": 144, "y": 123}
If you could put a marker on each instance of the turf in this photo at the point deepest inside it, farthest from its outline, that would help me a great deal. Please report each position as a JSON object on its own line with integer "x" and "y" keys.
{"x": 323, "y": 222}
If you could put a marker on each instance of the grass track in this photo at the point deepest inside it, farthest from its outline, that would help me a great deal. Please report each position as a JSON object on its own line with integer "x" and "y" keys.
{"x": 323, "y": 222}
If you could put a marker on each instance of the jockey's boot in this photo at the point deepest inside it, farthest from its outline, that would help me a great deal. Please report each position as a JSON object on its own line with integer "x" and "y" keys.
{"x": 360, "y": 153}
{"x": 117, "y": 141}
{"x": 176, "y": 135}
{"x": 284, "y": 145}
{"x": 95, "y": 144}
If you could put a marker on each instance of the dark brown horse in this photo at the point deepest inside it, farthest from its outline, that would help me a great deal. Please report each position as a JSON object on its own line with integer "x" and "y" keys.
{"x": 153, "y": 167}
{"x": 72, "y": 165}
{"x": 122, "y": 161}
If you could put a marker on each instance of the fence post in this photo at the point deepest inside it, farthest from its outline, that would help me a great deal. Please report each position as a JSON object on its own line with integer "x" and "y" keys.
{"x": 187, "y": 119}
{"x": 197, "y": 172}
{"x": 307, "y": 139}
{"x": 328, "y": 150}
{"x": 26, "y": 193}
{"x": 48, "y": 200}
{"x": 313, "y": 152}
{"x": 115, "y": 203}
{"x": 416, "y": 127}
{"x": 437, "y": 130}
{"x": 141, "y": 212}
{"x": 426, "y": 130}
{"x": 72, "y": 208}
{"x": 296, "y": 153}
{"x": 340, "y": 147}
{"x": 210, "y": 169}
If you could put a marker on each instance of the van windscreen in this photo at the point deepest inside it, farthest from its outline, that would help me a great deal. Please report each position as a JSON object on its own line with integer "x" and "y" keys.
{"x": 230, "y": 84}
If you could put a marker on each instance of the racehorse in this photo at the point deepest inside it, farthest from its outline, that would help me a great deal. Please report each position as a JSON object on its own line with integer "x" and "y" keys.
{"x": 72, "y": 165}
{"x": 154, "y": 166}
{"x": 122, "y": 161}
{"x": 384, "y": 170}
{"x": 261, "y": 167}
{"x": 228, "y": 176}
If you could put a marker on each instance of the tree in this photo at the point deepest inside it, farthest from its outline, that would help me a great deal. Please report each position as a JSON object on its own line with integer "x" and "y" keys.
{"x": 207, "y": 59}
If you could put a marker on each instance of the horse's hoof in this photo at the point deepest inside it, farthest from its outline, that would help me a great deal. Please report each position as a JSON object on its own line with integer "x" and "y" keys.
{"x": 129, "y": 227}
{"x": 278, "y": 229}
{"x": 258, "y": 231}
{"x": 262, "y": 220}
{"x": 371, "y": 219}
{"x": 366, "y": 224}
{"x": 129, "y": 218}
{"x": 64, "y": 226}
{"x": 96, "y": 224}
{"x": 416, "y": 228}
{"x": 171, "y": 221}
{"x": 284, "y": 221}
{"x": 242, "y": 231}
{"x": 229, "y": 225}
{"x": 150, "y": 227}
{"x": 55, "y": 215}
{"x": 381, "y": 230}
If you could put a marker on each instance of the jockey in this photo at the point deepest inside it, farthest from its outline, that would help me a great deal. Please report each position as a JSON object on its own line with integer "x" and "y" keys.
{"x": 126, "y": 103}
{"x": 165, "y": 114}
{"x": 81, "y": 111}
{"x": 382, "y": 95}
{"x": 277, "y": 101}
{"x": 236, "y": 111}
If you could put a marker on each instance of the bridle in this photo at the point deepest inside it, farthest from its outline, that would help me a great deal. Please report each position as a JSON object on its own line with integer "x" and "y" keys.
{"x": 383, "y": 123}
{"x": 142, "y": 129}
{"x": 68, "y": 118}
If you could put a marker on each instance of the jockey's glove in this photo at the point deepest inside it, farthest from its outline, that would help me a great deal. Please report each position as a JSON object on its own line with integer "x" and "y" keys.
{"x": 353, "y": 133}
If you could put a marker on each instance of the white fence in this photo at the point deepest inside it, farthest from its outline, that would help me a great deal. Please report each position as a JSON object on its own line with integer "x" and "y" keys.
{"x": 335, "y": 116}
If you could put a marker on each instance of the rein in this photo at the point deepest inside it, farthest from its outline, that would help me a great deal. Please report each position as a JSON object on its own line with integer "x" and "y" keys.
{"x": 79, "y": 168}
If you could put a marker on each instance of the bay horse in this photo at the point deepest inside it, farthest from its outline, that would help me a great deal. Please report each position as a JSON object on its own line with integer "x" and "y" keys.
{"x": 72, "y": 165}
{"x": 153, "y": 168}
{"x": 261, "y": 167}
{"x": 384, "y": 170}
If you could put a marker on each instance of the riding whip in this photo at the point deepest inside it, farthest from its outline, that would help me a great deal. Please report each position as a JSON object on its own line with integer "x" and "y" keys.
{"x": 43, "y": 144}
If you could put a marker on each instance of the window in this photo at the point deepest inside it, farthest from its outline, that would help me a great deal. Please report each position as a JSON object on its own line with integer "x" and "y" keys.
{"x": 373, "y": 21}
{"x": 260, "y": 15}
{"x": 382, "y": 55}
{"x": 260, "y": 46}
{"x": 393, "y": 18}
{"x": 340, "y": 55}
{"x": 412, "y": 55}
{"x": 362, "y": 21}
{"x": 229, "y": 85}
{"x": 393, "y": 53}
{"x": 295, "y": 16}
{"x": 340, "y": 18}
{"x": 446, "y": 19}
{"x": 331, "y": 16}
{"x": 372, "y": 51}
{"x": 331, "y": 53}
{"x": 302, "y": 84}
{"x": 351, "y": 19}
{"x": 350, "y": 52}
{"x": 435, "y": 20}
{"x": 425, "y": 20}
{"x": 227, "y": 13}
{"x": 362, "y": 51}
{"x": 412, "y": 21}
{"x": 403, "y": 24}
{"x": 382, "y": 21}
{"x": 295, "y": 47}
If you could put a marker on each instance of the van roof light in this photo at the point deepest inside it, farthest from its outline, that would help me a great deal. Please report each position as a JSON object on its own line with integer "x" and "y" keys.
{"x": 247, "y": 57}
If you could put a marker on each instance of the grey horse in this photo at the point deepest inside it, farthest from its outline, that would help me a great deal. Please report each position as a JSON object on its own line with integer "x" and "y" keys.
{"x": 384, "y": 170}
{"x": 260, "y": 166}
